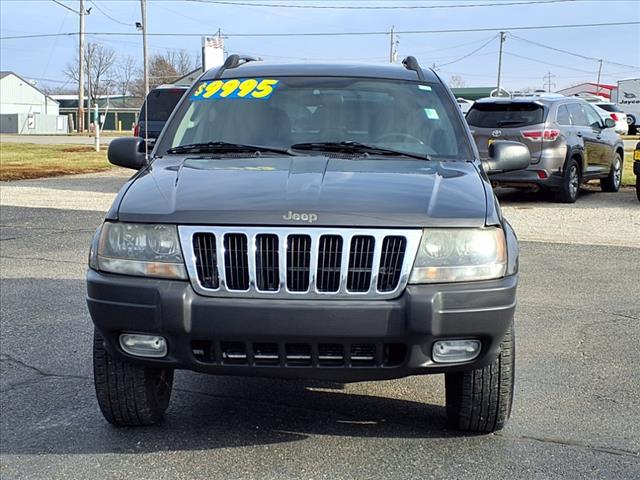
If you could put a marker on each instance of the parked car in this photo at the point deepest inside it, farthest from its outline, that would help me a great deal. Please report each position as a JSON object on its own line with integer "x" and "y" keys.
{"x": 569, "y": 142}
{"x": 608, "y": 109}
{"x": 314, "y": 221}
{"x": 464, "y": 104}
{"x": 156, "y": 110}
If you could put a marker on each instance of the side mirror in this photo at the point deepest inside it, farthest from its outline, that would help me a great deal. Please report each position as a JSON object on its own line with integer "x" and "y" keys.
{"x": 128, "y": 152}
{"x": 506, "y": 156}
{"x": 609, "y": 122}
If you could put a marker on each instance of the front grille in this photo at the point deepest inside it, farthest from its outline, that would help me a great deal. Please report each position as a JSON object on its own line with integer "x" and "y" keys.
{"x": 304, "y": 263}
{"x": 278, "y": 353}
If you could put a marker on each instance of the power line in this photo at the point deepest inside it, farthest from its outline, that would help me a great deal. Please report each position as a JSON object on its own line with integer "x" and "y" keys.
{"x": 66, "y": 6}
{"x": 95, "y": 4}
{"x": 548, "y": 63}
{"x": 556, "y": 49}
{"x": 344, "y": 34}
{"x": 470, "y": 53}
{"x": 378, "y": 7}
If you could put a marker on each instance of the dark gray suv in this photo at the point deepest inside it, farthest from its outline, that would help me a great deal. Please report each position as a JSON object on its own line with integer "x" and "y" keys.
{"x": 327, "y": 222}
{"x": 569, "y": 142}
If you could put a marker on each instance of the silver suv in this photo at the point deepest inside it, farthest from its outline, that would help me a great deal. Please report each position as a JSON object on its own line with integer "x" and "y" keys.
{"x": 569, "y": 142}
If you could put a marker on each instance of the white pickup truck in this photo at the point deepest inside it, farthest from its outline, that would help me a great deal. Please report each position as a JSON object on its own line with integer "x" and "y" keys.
{"x": 628, "y": 99}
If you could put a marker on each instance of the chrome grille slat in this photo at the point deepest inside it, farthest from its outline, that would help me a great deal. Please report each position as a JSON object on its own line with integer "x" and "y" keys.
{"x": 329, "y": 258}
{"x": 236, "y": 261}
{"x": 360, "y": 263}
{"x": 390, "y": 263}
{"x": 267, "y": 264}
{"x": 299, "y": 262}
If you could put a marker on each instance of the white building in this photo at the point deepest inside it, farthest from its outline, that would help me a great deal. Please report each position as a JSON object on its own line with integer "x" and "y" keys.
{"x": 25, "y": 109}
{"x": 17, "y": 95}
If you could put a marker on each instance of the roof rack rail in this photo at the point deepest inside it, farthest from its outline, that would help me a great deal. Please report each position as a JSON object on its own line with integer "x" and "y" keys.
{"x": 234, "y": 61}
{"x": 410, "y": 63}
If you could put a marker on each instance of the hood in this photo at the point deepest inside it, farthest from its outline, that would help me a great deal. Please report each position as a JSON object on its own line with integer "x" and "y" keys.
{"x": 306, "y": 190}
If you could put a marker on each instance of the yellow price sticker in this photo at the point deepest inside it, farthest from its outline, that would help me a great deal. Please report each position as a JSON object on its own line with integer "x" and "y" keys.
{"x": 259, "y": 88}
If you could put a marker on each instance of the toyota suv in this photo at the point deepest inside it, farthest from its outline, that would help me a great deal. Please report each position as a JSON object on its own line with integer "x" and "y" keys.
{"x": 308, "y": 221}
{"x": 570, "y": 143}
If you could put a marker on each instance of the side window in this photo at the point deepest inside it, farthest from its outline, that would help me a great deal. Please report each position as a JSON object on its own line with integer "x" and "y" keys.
{"x": 578, "y": 116}
{"x": 592, "y": 116}
{"x": 563, "y": 117}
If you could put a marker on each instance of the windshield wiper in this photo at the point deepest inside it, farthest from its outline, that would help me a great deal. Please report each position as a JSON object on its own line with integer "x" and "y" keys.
{"x": 225, "y": 147}
{"x": 355, "y": 147}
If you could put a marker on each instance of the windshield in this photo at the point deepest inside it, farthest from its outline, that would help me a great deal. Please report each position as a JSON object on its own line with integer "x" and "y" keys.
{"x": 160, "y": 103}
{"x": 404, "y": 116}
{"x": 495, "y": 115}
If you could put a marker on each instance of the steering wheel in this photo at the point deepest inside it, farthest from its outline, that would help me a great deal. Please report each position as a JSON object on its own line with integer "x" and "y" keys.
{"x": 399, "y": 135}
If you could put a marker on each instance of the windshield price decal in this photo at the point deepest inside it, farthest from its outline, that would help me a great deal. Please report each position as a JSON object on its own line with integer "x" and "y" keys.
{"x": 258, "y": 88}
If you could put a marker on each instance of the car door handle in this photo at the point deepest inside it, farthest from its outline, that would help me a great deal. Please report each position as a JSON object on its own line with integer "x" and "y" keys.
{"x": 579, "y": 134}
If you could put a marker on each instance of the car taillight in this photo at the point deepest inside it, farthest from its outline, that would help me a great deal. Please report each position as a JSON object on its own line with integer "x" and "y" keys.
{"x": 547, "y": 135}
{"x": 136, "y": 130}
{"x": 615, "y": 117}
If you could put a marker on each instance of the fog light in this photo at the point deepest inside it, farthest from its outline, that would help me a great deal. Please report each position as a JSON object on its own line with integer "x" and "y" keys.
{"x": 143, "y": 345}
{"x": 454, "y": 351}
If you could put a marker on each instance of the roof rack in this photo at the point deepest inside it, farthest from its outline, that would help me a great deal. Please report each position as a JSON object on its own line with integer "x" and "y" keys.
{"x": 234, "y": 61}
{"x": 410, "y": 63}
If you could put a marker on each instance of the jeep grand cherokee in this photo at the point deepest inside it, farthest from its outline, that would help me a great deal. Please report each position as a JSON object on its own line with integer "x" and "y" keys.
{"x": 308, "y": 221}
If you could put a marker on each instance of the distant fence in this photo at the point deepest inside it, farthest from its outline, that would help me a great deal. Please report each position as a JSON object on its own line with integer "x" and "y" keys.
{"x": 33, "y": 123}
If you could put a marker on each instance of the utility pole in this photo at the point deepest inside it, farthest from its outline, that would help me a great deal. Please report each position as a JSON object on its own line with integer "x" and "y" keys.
{"x": 502, "y": 39}
{"x": 547, "y": 80}
{"x": 80, "y": 115}
{"x": 599, "y": 73}
{"x": 393, "y": 54}
{"x": 143, "y": 8}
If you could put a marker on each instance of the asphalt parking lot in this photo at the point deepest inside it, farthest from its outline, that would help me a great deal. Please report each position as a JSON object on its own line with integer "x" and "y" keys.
{"x": 577, "y": 399}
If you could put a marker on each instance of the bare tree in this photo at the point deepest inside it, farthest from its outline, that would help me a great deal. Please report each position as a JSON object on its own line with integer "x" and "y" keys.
{"x": 127, "y": 71}
{"x": 182, "y": 61}
{"x": 456, "y": 81}
{"x": 166, "y": 68}
{"x": 99, "y": 64}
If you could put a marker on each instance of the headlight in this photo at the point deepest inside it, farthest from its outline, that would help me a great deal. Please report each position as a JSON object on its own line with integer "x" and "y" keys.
{"x": 460, "y": 255}
{"x": 143, "y": 250}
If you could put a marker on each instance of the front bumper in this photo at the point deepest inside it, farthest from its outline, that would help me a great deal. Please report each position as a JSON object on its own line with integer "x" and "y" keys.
{"x": 401, "y": 331}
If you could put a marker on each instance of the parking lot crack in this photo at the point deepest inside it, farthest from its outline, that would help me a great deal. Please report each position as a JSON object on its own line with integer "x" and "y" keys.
{"x": 42, "y": 259}
{"x": 574, "y": 444}
{"x": 5, "y": 358}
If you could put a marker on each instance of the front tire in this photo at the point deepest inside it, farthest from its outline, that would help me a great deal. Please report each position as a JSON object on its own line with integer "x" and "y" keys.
{"x": 128, "y": 394}
{"x": 570, "y": 187}
{"x": 612, "y": 182}
{"x": 480, "y": 400}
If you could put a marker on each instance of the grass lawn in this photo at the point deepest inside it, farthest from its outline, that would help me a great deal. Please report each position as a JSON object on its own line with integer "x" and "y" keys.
{"x": 20, "y": 161}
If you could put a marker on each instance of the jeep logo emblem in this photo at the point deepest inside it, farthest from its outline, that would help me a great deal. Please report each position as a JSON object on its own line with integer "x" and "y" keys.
{"x": 300, "y": 217}
{"x": 496, "y": 133}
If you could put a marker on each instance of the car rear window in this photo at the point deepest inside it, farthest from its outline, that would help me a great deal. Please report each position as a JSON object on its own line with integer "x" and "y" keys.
{"x": 160, "y": 104}
{"x": 501, "y": 115}
{"x": 609, "y": 107}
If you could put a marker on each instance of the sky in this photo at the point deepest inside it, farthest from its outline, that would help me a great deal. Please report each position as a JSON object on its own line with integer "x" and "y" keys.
{"x": 44, "y": 59}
